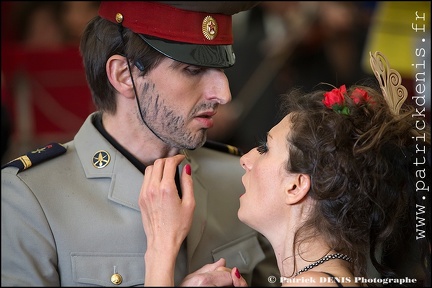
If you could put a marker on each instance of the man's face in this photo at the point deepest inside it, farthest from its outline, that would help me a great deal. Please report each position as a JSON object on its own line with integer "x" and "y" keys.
{"x": 178, "y": 101}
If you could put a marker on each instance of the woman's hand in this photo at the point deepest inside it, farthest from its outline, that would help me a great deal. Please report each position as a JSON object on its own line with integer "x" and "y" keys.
{"x": 166, "y": 218}
{"x": 215, "y": 275}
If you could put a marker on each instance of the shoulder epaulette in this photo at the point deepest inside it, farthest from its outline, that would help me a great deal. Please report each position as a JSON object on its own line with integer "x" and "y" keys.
{"x": 223, "y": 147}
{"x": 37, "y": 156}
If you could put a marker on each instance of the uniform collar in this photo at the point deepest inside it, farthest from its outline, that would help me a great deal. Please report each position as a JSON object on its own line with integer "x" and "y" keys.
{"x": 115, "y": 174}
{"x": 97, "y": 122}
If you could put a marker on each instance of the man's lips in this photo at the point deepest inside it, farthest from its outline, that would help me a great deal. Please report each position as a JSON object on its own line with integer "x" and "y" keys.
{"x": 206, "y": 118}
{"x": 207, "y": 114}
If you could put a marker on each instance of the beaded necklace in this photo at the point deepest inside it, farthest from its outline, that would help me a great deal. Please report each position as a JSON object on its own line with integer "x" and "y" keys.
{"x": 324, "y": 259}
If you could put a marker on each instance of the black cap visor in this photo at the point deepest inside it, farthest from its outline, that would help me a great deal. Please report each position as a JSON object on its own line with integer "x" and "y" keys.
{"x": 214, "y": 56}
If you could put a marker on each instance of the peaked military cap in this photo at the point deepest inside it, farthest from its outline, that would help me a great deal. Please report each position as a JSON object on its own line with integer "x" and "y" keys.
{"x": 192, "y": 32}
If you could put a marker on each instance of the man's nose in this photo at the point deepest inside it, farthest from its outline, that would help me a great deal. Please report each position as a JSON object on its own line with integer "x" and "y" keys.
{"x": 219, "y": 90}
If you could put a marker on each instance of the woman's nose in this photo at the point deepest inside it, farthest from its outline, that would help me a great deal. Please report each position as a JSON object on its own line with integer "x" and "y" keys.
{"x": 246, "y": 160}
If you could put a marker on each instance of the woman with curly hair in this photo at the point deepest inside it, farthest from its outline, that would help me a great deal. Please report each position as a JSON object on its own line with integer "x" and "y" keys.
{"x": 331, "y": 182}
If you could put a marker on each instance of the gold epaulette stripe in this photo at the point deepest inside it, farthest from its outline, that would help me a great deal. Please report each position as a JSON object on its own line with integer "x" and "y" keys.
{"x": 25, "y": 161}
{"x": 37, "y": 156}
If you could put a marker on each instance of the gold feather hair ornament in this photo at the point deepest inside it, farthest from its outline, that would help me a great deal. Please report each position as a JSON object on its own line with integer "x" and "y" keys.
{"x": 390, "y": 81}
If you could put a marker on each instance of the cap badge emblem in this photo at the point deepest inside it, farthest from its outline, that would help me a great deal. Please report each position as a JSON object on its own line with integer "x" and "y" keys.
{"x": 101, "y": 159}
{"x": 209, "y": 28}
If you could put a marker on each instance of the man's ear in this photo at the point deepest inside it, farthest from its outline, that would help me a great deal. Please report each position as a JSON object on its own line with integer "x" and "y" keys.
{"x": 297, "y": 188}
{"x": 119, "y": 76}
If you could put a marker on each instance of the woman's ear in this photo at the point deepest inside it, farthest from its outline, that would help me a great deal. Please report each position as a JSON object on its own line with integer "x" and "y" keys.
{"x": 297, "y": 188}
{"x": 119, "y": 76}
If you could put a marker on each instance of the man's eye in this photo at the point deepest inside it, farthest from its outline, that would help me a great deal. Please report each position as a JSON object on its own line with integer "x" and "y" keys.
{"x": 194, "y": 70}
{"x": 262, "y": 148}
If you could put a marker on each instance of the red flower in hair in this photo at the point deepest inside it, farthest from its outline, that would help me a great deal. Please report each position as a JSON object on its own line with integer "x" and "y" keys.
{"x": 335, "y": 96}
{"x": 335, "y": 99}
{"x": 360, "y": 95}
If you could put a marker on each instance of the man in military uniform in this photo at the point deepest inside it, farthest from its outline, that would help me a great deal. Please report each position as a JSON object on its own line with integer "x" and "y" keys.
{"x": 70, "y": 214}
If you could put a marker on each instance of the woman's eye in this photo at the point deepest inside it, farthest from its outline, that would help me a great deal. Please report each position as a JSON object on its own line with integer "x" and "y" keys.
{"x": 262, "y": 148}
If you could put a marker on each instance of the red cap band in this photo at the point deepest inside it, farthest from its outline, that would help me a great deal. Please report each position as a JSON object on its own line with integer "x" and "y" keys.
{"x": 167, "y": 22}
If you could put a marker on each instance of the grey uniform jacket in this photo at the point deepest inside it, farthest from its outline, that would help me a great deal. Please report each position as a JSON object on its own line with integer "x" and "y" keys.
{"x": 67, "y": 222}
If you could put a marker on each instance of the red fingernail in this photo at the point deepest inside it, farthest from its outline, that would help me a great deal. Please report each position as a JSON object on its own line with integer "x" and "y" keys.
{"x": 237, "y": 273}
{"x": 188, "y": 169}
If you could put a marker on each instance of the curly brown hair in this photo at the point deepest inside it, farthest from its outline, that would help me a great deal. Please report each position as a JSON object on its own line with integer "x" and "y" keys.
{"x": 361, "y": 170}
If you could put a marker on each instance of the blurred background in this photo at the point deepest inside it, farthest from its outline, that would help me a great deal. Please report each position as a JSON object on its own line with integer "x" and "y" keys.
{"x": 44, "y": 93}
{"x": 279, "y": 45}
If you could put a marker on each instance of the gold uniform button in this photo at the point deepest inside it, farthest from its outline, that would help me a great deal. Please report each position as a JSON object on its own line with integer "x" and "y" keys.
{"x": 119, "y": 18}
{"x": 116, "y": 279}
